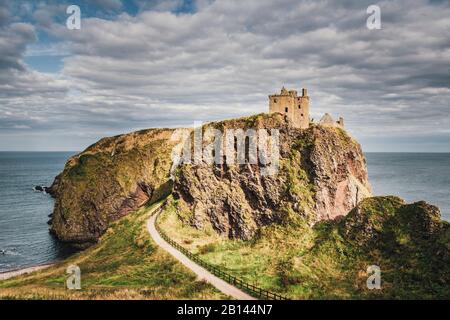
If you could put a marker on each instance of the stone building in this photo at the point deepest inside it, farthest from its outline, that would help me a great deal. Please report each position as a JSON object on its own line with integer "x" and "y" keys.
{"x": 327, "y": 121}
{"x": 295, "y": 107}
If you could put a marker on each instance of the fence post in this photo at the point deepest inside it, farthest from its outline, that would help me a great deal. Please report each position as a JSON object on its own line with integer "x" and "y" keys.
{"x": 215, "y": 270}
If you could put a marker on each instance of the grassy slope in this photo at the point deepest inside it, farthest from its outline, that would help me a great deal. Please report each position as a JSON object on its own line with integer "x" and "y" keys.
{"x": 304, "y": 263}
{"x": 126, "y": 264}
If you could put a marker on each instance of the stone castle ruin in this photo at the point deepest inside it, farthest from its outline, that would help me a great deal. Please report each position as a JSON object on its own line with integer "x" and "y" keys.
{"x": 327, "y": 121}
{"x": 296, "y": 108}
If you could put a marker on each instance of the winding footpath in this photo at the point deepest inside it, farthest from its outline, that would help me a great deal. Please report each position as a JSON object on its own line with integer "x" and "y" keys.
{"x": 201, "y": 272}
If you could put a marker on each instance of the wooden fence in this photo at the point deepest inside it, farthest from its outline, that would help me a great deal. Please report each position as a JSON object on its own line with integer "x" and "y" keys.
{"x": 253, "y": 290}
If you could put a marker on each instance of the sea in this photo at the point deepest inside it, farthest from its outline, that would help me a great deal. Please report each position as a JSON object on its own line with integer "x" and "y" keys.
{"x": 24, "y": 236}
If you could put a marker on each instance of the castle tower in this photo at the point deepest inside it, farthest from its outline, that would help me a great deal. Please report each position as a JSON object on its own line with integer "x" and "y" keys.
{"x": 295, "y": 107}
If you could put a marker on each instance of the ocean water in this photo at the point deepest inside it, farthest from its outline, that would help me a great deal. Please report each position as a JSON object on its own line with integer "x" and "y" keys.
{"x": 413, "y": 177}
{"x": 24, "y": 237}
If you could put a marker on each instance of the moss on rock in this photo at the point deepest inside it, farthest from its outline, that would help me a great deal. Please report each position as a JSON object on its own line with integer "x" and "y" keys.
{"x": 322, "y": 175}
{"x": 109, "y": 180}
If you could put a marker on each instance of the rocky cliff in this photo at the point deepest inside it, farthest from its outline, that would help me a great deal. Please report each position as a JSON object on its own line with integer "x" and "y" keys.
{"x": 107, "y": 181}
{"x": 322, "y": 175}
{"x": 318, "y": 204}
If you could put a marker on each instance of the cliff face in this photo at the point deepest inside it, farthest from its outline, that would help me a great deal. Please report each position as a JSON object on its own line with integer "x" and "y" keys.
{"x": 322, "y": 180}
{"x": 322, "y": 175}
{"x": 107, "y": 181}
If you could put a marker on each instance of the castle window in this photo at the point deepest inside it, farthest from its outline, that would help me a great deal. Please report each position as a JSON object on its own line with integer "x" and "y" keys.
{"x": 286, "y": 109}
{"x": 302, "y": 114}
{"x": 299, "y": 106}
{"x": 275, "y": 100}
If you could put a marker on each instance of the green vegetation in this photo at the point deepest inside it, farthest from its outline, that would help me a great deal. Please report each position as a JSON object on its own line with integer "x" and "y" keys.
{"x": 125, "y": 264}
{"x": 287, "y": 253}
{"x": 329, "y": 261}
{"x": 96, "y": 186}
{"x": 297, "y": 181}
{"x": 264, "y": 120}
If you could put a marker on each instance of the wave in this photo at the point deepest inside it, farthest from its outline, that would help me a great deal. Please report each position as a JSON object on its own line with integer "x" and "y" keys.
{"x": 9, "y": 252}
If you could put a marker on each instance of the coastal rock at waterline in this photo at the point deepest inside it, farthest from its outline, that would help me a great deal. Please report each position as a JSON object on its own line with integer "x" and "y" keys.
{"x": 108, "y": 180}
{"x": 42, "y": 189}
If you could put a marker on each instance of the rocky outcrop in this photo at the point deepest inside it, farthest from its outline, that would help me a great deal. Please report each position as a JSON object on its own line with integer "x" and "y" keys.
{"x": 409, "y": 242}
{"x": 108, "y": 180}
{"x": 43, "y": 189}
{"x": 338, "y": 171}
{"x": 322, "y": 175}
{"x": 320, "y": 190}
{"x": 382, "y": 222}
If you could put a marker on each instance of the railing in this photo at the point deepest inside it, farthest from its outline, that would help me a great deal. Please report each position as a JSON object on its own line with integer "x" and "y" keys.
{"x": 251, "y": 289}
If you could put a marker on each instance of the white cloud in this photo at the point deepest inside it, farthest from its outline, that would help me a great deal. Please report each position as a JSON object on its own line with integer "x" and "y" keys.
{"x": 166, "y": 69}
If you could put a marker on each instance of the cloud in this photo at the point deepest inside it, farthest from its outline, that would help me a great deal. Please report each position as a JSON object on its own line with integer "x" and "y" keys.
{"x": 4, "y": 16}
{"x": 161, "y": 68}
{"x": 108, "y": 4}
{"x": 13, "y": 40}
{"x": 45, "y": 14}
{"x": 25, "y": 95}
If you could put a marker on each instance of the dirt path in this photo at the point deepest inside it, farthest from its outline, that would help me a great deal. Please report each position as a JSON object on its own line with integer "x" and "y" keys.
{"x": 201, "y": 272}
{"x": 15, "y": 273}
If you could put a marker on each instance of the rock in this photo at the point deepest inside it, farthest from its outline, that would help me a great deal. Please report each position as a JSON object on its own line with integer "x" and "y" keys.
{"x": 322, "y": 176}
{"x": 108, "y": 180}
{"x": 409, "y": 242}
{"x": 42, "y": 189}
{"x": 388, "y": 221}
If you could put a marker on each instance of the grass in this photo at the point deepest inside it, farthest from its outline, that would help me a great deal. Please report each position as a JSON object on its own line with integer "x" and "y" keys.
{"x": 257, "y": 261}
{"x": 328, "y": 261}
{"x": 322, "y": 262}
{"x": 125, "y": 264}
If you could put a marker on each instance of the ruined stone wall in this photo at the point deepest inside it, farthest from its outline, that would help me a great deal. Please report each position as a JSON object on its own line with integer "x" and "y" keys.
{"x": 297, "y": 108}
{"x": 284, "y": 104}
{"x": 302, "y": 112}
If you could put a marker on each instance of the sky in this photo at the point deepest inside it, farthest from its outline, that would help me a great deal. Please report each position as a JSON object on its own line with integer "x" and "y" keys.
{"x": 140, "y": 64}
